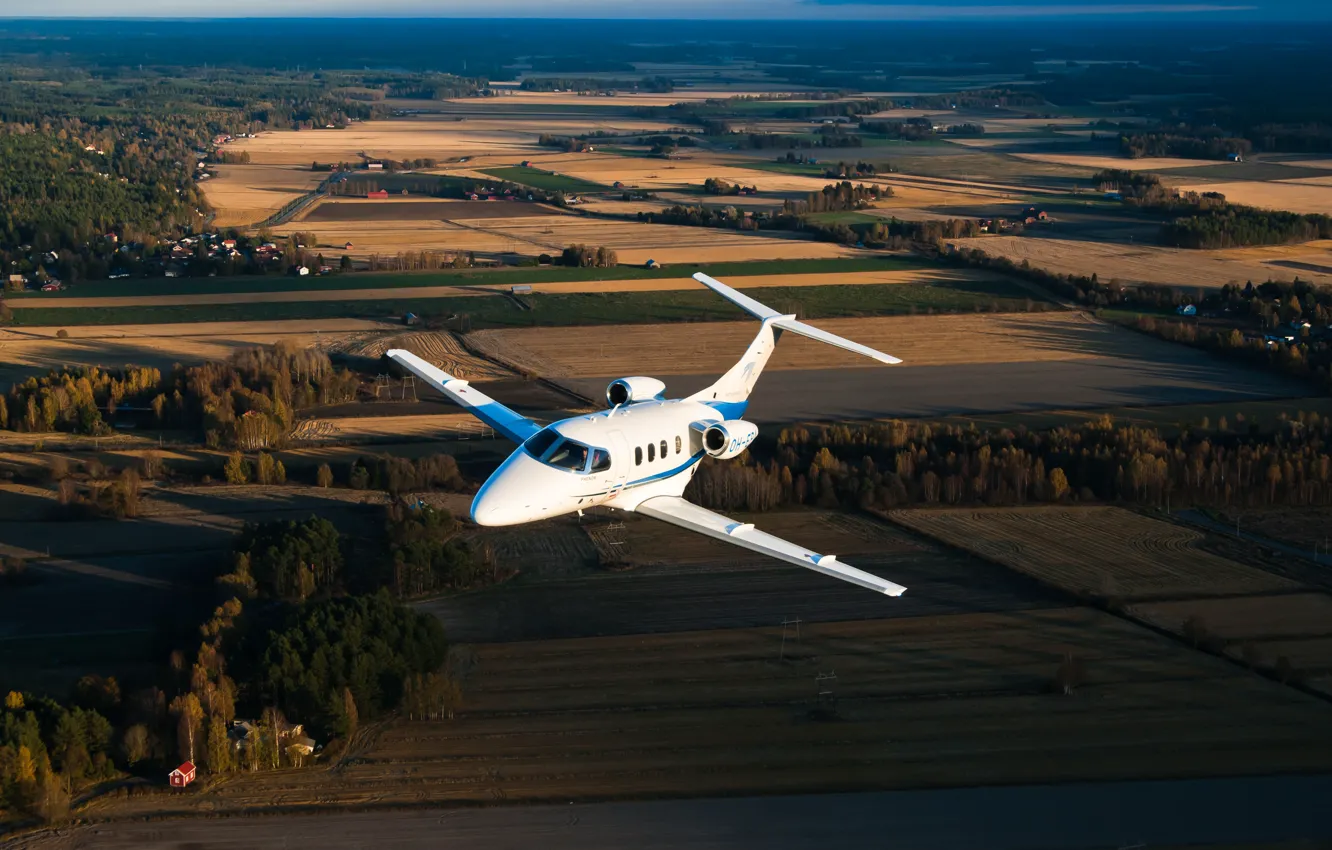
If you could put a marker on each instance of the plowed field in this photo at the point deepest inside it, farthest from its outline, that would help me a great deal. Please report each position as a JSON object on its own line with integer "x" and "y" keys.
{"x": 1094, "y": 551}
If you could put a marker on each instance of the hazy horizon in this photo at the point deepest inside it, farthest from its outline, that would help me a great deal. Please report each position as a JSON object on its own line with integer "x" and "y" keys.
{"x": 765, "y": 10}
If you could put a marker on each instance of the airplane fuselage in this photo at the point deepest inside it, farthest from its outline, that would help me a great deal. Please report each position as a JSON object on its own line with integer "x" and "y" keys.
{"x": 615, "y": 458}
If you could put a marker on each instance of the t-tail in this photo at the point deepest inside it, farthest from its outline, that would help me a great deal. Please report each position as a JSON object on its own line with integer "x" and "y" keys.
{"x": 738, "y": 382}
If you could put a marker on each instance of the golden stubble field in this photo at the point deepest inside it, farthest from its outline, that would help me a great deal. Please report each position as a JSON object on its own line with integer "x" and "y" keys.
{"x": 1312, "y": 195}
{"x": 441, "y": 348}
{"x": 25, "y": 351}
{"x": 439, "y": 137}
{"x": 246, "y": 194}
{"x": 1150, "y": 264}
{"x": 635, "y": 243}
{"x": 918, "y": 340}
{"x": 936, "y": 701}
{"x": 1094, "y": 551}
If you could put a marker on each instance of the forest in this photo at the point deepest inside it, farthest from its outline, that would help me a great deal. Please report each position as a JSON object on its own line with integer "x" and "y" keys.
{"x": 1235, "y": 226}
{"x": 897, "y": 464}
{"x": 1211, "y": 222}
{"x": 248, "y": 402}
{"x": 289, "y": 642}
{"x": 97, "y": 168}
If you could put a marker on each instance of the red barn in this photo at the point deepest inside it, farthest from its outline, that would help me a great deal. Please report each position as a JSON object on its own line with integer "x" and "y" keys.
{"x": 382, "y": 194}
{"x": 182, "y": 776}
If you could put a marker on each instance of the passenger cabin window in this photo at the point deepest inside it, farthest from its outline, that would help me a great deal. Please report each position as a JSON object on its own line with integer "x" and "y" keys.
{"x": 678, "y": 445}
{"x": 651, "y": 453}
{"x": 600, "y": 460}
{"x": 663, "y": 448}
{"x": 638, "y": 455}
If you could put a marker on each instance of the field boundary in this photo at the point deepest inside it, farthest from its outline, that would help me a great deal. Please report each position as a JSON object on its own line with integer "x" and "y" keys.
{"x": 1118, "y": 611}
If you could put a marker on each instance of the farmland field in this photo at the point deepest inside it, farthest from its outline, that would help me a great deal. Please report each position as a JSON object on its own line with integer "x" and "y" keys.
{"x": 246, "y": 194}
{"x": 586, "y": 308}
{"x": 1094, "y": 551}
{"x": 967, "y": 698}
{"x": 441, "y": 348}
{"x": 417, "y": 210}
{"x": 1137, "y": 263}
{"x": 535, "y": 234}
{"x": 1295, "y": 195}
{"x": 37, "y": 349}
{"x": 962, "y": 280}
{"x": 1288, "y": 631}
{"x": 918, "y": 340}
{"x": 545, "y": 180}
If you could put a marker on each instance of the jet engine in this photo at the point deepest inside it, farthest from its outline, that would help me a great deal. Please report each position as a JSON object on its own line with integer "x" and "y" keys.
{"x": 724, "y": 440}
{"x": 630, "y": 390}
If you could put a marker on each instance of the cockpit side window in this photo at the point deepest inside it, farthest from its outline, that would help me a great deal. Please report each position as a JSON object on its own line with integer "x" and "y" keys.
{"x": 600, "y": 460}
{"x": 538, "y": 443}
{"x": 569, "y": 455}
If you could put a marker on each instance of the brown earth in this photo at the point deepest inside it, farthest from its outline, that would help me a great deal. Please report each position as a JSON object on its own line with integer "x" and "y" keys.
{"x": 922, "y": 702}
{"x": 918, "y": 340}
{"x": 1094, "y": 551}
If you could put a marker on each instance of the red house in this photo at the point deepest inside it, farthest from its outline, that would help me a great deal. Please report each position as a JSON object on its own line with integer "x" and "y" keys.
{"x": 182, "y": 776}
{"x": 382, "y": 194}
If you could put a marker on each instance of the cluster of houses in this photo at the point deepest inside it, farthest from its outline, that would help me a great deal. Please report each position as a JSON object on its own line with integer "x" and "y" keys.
{"x": 1029, "y": 216}
{"x": 244, "y": 735}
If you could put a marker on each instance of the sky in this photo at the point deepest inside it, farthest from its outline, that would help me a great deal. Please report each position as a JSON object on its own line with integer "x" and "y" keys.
{"x": 677, "y": 9}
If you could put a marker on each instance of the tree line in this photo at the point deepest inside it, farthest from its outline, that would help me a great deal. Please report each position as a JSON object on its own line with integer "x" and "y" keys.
{"x": 898, "y": 464}
{"x": 1212, "y": 222}
{"x": 248, "y": 402}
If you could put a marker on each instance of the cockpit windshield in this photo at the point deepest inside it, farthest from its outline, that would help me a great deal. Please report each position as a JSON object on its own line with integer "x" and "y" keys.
{"x": 568, "y": 455}
{"x": 552, "y": 449}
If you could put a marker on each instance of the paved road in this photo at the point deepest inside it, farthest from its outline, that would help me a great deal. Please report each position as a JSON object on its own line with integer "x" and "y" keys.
{"x": 1094, "y": 815}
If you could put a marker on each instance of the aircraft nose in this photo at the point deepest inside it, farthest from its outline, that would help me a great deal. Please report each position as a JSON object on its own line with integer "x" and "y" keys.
{"x": 512, "y": 495}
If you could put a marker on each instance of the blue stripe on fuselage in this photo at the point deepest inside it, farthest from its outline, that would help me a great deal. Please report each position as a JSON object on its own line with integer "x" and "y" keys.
{"x": 693, "y": 459}
{"x": 729, "y": 409}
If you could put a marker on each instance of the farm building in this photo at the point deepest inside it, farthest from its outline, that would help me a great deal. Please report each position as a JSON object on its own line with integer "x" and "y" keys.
{"x": 182, "y": 776}
{"x": 375, "y": 166}
{"x": 381, "y": 194}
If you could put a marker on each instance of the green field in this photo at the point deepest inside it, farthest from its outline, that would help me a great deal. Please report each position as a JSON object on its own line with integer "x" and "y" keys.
{"x": 803, "y": 169}
{"x": 545, "y": 180}
{"x": 845, "y": 217}
{"x": 579, "y": 309}
{"x": 466, "y": 277}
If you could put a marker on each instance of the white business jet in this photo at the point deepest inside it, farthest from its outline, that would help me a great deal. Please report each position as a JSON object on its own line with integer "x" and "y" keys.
{"x": 640, "y": 454}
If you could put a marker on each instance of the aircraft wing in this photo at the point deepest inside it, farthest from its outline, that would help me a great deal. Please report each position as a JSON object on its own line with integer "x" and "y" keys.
{"x": 677, "y": 511}
{"x": 512, "y": 425}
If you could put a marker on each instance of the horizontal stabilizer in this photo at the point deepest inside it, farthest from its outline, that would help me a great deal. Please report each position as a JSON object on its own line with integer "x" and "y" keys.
{"x": 513, "y": 425}
{"x": 790, "y": 323}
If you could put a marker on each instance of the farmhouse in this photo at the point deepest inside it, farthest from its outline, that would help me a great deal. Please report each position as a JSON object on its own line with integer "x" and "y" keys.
{"x": 381, "y": 194}
{"x": 182, "y": 776}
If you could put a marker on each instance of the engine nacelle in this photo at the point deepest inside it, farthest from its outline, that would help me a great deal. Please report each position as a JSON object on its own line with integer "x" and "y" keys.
{"x": 630, "y": 390}
{"x": 725, "y": 440}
